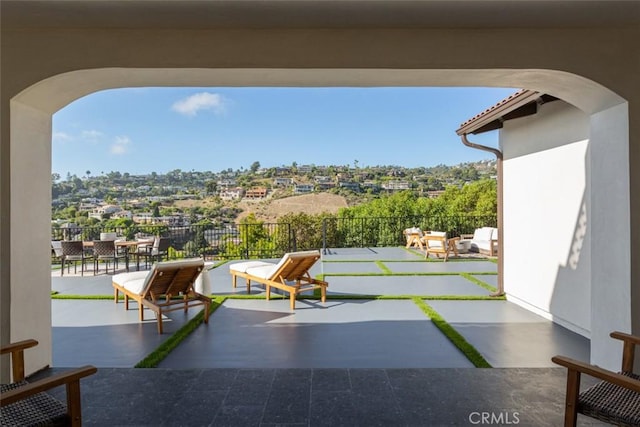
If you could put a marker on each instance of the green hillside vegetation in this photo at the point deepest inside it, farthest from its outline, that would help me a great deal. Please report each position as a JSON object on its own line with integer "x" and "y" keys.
{"x": 476, "y": 198}
{"x": 457, "y": 210}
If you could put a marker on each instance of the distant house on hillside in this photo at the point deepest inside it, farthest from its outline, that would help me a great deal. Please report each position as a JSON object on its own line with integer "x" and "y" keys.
{"x": 324, "y": 182}
{"x": 395, "y": 185}
{"x": 353, "y": 186}
{"x": 282, "y": 181}
{"x": 226, "y": 183}
{"x": 303, "y": 188}
{"x": 87, "y": 207}
{"x": 256, "y": 193}
{"x": 232, "y": 193}
{"x": 122, "y": 214}
{"x": 100, "y": 211}
{"x": 283, "y": 170}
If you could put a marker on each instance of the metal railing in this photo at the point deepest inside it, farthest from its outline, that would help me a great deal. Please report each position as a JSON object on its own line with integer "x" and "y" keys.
{"x": 233, "y": 241}
{"x": 273, "y": 240}
{"x": 388, "y": 231}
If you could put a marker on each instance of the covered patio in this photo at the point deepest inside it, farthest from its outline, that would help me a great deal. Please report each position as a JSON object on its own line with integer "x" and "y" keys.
{"x": 369, "y": 355}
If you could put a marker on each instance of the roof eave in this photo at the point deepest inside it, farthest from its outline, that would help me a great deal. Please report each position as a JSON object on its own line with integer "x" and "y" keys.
{"x": 484, "y": 121}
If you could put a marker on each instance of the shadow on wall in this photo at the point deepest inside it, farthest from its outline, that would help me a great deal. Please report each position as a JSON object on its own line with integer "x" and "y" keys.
{"x": 571, "y": 298}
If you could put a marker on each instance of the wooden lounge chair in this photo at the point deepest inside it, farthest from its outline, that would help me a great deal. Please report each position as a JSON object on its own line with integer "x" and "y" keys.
{"x": 615, "y": 399}
{"x": 413, "y": 237}
{"x": 168, "y": 286}
{"x": 436, "y": 242}
{"x": 27, "y": 403}
{"x": 291, "y": 274}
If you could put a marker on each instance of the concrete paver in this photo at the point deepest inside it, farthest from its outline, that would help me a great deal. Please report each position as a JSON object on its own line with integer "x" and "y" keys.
{"x": 343, "y": 363}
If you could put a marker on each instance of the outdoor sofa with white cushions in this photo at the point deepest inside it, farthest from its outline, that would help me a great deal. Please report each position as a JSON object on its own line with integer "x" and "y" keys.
{"x": 484, "y": 240}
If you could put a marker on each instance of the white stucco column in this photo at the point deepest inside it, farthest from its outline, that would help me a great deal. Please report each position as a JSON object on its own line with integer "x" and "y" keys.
{"x": 610, "y": 233}
{"x": 30, "y": 215}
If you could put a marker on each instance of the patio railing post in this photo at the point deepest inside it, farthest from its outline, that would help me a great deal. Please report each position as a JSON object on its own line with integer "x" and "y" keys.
{"x": 324, "y": 236}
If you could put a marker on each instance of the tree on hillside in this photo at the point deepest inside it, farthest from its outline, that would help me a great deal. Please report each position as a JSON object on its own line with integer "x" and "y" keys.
{"x": 306, "y": 229}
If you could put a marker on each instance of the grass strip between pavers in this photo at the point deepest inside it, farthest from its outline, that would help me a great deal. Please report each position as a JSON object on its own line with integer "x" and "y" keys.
{"x": 159, "y": 354}
{"x": 315, "y": 296}
{"x": 434, "y": 273}
{"x": 479, "y": 282}
{"x": 90, "y": 297}
{"x": 454, "y": 336}
{"x": 377, "y": 297}
{"x": 336, "y": 261}
{"x": 384, "y": 268}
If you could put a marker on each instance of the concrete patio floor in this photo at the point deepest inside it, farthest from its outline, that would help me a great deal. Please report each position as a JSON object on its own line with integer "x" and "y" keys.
{"x": 345, "y": 362}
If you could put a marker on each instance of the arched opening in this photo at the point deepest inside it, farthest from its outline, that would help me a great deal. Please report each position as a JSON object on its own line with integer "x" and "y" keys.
{"x": 30, "y": 172}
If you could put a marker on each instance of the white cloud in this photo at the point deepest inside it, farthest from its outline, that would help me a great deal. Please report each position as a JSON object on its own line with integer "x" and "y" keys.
{"x": 61, "y": 137}
{"x": 191, "y": 105}
{"x": 91, "y": 135}
{"x": 120, "y": 145}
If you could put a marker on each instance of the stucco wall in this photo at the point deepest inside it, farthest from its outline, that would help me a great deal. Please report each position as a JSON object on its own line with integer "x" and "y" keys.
{"x": 46, "y": 68}
{"x": 547, "y": 201}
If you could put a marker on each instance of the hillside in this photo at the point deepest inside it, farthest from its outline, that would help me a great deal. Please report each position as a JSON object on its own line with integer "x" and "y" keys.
{"x": 270, "y": 209}
{"x": 316, "y": 203}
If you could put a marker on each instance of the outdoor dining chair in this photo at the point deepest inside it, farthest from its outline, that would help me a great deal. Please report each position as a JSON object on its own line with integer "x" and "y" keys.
{"x": 73, "y": 252}
{"x": 106, "y": 250}
{"x": 157, "y": 252}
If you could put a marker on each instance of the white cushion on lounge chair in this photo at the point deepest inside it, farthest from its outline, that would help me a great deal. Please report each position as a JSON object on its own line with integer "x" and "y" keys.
{"x": 137, "y": 281}
{"x": 170, "y": 278}
{"x": 294, "y": 266}
{"x": 263, "y": 271}
{"x": 242, "y": 267}
{"x": 133, "y": 281}
{"x": 267, "y": 270}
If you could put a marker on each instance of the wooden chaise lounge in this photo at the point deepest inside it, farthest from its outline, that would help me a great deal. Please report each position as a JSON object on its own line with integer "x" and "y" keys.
{"x": 168, "y": 286}
{"x": 290, "y": 274}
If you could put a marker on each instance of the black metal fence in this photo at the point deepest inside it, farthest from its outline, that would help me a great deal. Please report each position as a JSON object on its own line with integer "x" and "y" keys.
{"x": 388, "y": 231}
{"x": 234, "y": 241}
{"x": 260, "y": 240}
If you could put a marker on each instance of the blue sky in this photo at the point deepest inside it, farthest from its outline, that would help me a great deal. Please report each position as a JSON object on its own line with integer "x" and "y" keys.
{"x": 144, "y": 130}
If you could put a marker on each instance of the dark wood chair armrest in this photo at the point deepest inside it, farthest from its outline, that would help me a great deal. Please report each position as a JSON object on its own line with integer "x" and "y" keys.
{"x": 628, "y": 350}
{"x": 68, "y": 378}
{"x": 597, "y": 372}
{"x": 625, "y": 337}
{"x": 17, "y": 346}
{"x": 17, "y": 356}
